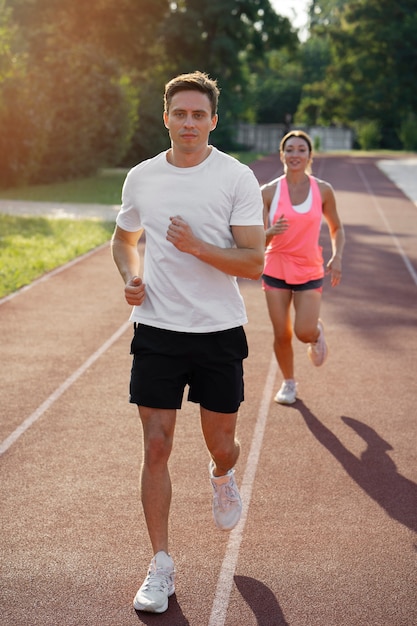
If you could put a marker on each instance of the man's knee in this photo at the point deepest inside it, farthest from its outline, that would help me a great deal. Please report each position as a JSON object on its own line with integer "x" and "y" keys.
{"x": 225, "y": 454}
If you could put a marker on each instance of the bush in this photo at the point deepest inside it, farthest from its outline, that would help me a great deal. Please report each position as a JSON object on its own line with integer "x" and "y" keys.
{"x": 89, "y": 125}
{"x": 408, "y": 132}
{"x": 369, "y": 134}
{"x": 23, "y": 115}
{"x": 67, "y": 115}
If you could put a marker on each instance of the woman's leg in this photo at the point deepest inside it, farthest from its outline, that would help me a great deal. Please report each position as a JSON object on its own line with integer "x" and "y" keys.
{"x": 279, "y": 303}
{"x": 307, "y": 310}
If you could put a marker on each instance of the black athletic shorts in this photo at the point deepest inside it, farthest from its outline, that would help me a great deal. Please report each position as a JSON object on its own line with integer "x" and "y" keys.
{"x": 278, "y": 283}
{"x": 164, "y": 362}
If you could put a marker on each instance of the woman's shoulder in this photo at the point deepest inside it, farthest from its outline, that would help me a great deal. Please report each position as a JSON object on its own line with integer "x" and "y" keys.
{"x": 325, "y": 187}
{"x": 271, "y": 186}
{"x": 323, "y": 184}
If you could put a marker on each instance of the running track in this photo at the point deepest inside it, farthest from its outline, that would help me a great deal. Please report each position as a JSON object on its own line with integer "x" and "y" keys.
{"x": 328, "y": 535}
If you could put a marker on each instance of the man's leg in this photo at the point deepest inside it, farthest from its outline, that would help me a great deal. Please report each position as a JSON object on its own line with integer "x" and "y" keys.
{"x": 158, "y": 433}
{"x": 219, "y": 434}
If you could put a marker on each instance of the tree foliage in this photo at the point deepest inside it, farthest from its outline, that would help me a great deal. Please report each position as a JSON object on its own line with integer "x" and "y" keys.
{"x": 90, "y": 75}
{"x": 324, "y": 13}
{"x": 226, "y": 39}
{"x": 75, "y": 76}
{"x": 315, "y": 56}
{"x": 278, "y": 88}
{"x": 81, "y": 83}
{"x": 373, "y": 63}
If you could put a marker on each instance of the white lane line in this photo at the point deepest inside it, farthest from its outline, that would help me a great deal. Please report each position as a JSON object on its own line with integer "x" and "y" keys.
{"x": 29, "y": 421}
{"x": 225, "y": 580}
{"x": 405, "y": 258}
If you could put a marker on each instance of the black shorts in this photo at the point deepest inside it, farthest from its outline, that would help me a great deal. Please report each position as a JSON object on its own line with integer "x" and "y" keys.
{"x": 164, "y": 362}
{"x": 278, "y": 283}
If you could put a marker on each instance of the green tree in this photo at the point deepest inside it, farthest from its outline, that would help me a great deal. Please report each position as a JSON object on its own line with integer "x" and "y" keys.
{"x": 374, "y": 63}
{"x": 228, "y": 39}
{"x": 315, "y": 57}
{"x": 88, "y": 125}
{"x": 126, "y": 30}
{"x": 408, "y": 132}
{"x": 278, "y": 87}
{"x": 77, "y": 81}
{"x": 20, "y": 125}
{"x": 6, "y": 36}
{"x": 81, "y": 83}
{"x": 323, "y": 13}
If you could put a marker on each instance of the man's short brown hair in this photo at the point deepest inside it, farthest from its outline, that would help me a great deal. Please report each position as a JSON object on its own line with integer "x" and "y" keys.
{"x": 194, "y": 81}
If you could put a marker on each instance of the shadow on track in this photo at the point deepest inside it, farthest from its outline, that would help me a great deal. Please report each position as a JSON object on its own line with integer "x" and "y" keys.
{"x": 375, "y": 472}
{"x": 172, "y": 617}
{"x": 261, "y": 600}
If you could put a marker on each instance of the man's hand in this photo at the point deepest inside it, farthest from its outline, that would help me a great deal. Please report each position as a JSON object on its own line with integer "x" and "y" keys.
{"x": 180, "y": 234}
{"x": 135, "y": 291}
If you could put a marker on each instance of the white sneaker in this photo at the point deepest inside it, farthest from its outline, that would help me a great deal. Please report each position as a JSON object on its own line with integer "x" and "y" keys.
{"x": 287, "y": 393}
{"x": 318, "y": 351}
{"x": 227, "y": 503}
{"x": 158, "y": 585}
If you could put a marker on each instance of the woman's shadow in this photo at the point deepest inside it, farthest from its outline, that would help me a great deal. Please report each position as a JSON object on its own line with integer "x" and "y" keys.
{"x": 375, "y": 472}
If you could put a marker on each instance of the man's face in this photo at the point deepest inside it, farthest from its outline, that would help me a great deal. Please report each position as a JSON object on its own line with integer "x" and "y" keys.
{"x": 189, "y": 120}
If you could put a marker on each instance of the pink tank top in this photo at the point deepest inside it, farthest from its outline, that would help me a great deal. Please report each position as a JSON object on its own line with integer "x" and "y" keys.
{"x": 295, "y": 256}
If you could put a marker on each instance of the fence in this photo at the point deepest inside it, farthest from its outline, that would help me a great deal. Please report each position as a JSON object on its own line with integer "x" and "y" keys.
{"x": 266, "y": 137}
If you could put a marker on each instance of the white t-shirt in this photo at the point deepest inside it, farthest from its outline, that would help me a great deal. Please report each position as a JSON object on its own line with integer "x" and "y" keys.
{"x": 183, "y": 293}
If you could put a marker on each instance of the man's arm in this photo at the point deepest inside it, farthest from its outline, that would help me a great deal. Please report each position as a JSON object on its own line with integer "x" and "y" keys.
{"x": 244, "y": 261}
{"x": 124, "y": 248}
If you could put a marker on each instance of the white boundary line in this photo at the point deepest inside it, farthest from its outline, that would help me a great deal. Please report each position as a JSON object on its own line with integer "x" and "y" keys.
{"x": 228, "y": 568}
{"x": 225, "y": 580}
{"x": 404, "y": 257}
{"x": 29, "y": 421}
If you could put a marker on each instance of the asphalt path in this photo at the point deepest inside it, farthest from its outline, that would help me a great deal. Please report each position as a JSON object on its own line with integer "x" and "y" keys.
{"x": 328, "y": 533}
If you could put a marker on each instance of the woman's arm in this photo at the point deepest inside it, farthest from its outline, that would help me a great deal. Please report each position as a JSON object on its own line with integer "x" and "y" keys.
{"x": 281, "y": 225}
{"x": 336, "y": 230}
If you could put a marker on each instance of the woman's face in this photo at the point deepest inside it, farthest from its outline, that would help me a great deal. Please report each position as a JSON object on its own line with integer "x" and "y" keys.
{"x": 296, "y": 154}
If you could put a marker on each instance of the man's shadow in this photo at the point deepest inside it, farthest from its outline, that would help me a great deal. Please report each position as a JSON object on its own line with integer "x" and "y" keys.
{"x": 258, "y": 596}
{"x": 375, "y": 472}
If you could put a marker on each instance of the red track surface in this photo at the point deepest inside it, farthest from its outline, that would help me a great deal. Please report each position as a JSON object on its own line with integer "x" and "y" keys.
{"x": 328, "y": 536}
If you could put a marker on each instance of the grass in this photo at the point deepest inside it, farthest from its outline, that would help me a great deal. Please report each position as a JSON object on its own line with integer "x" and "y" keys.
{"x": 31, "y": 246}
{"x": 104, "y": 188}
{"x": 247, "y": 157}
